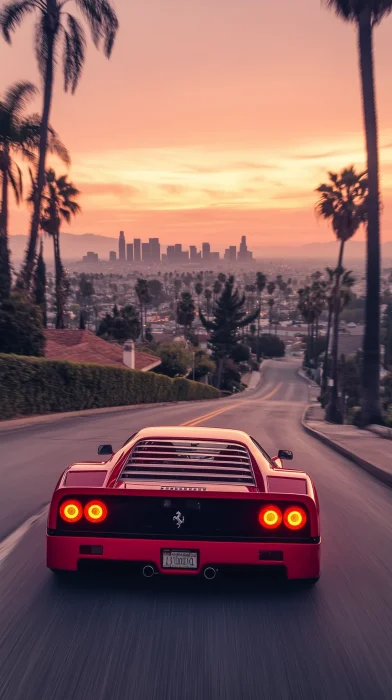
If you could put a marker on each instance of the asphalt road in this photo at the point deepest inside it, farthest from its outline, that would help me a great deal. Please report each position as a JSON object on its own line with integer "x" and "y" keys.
{"x": 121, "y": 638}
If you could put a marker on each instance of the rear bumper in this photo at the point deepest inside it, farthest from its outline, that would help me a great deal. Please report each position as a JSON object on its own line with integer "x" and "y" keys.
{"x": 300, "y": 560}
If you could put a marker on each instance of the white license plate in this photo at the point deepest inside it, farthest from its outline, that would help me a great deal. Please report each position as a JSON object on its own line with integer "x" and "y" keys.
{"x": 179, "y": 559}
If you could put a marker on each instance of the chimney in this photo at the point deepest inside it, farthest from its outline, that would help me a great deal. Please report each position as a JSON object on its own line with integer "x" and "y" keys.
{"x": 129, "y": 354}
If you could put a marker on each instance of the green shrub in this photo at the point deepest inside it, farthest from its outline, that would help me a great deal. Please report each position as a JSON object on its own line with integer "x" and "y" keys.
{"x": 35, "y": 386}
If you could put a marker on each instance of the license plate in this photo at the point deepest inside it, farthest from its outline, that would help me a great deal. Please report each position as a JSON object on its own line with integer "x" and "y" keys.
{"x": 179, "y": 559}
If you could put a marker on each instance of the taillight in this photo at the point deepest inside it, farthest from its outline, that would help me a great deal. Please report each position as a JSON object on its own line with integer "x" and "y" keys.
{"x": 270, "y": 517}
{"x": 295, "y": 518}
{"x": 71, "y": 511}
{"x": 95, "y": 511}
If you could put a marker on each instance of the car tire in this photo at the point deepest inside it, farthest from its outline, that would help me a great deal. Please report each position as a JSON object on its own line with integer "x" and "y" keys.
{"x": 61, "y": 573}
{"x": 309, "y": 582}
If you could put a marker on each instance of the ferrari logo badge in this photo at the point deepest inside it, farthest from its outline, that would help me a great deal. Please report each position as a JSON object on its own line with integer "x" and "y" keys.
{"x": 178, "y": 518}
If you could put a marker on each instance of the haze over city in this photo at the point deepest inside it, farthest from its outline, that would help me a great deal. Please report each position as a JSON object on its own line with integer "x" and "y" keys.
{"x": 213, "y": 129}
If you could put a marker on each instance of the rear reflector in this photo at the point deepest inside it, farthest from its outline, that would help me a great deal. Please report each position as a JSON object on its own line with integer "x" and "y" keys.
{"x": 271, "y": 556}
{"x": 91, "y": 549}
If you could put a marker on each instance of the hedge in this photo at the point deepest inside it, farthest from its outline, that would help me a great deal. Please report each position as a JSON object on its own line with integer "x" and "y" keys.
{"x": 32, "y": 385}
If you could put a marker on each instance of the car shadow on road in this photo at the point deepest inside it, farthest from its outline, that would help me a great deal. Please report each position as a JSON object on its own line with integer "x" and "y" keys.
{"x": 265, "y": 584}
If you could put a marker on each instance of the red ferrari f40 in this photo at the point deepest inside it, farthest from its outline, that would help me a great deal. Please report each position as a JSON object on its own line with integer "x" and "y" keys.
{"x": 188, "y": 501}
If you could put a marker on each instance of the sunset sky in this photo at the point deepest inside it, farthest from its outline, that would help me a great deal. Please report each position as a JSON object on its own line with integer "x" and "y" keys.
{"x": 213, "y": 119}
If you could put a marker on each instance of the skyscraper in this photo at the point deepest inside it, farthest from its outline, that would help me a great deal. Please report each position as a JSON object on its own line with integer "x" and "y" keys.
{"x": 121, "y": 246}
{"x": 112, "y": 256}
{"x": 244, "y": 255}
{"x": 130, "y": 252}
{"x": 206, "y": 248}
{"x": 137, "y": 247}
{"x": 155, "y": 250}
{"x": 146, "y": 253}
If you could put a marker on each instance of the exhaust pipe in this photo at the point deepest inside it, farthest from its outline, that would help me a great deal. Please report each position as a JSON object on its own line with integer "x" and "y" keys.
{"x": 210, "y": 573}
{"x": 148, "y": 571}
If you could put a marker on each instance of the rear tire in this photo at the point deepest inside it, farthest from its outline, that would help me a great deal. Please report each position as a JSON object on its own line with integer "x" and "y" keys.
{"x": 62, "y": 573}
{"x": 308, "y": 582}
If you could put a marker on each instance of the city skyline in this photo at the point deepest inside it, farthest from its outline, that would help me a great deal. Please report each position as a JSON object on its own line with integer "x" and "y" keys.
{"x": 235, "y": 146}
{"x": 149, "y": 252}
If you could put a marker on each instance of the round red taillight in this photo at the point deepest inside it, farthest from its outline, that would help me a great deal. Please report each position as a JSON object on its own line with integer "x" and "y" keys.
{"x": 295, "y": 518}
{"x": 95, "y": 511}
{"x": 270, "y": 517}
{"x": 71, "y": 511}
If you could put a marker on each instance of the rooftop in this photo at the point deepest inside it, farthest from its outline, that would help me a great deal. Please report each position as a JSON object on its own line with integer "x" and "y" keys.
{"x": 85, "y": 346}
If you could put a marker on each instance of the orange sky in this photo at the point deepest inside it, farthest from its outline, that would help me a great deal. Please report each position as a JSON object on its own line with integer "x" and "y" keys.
{"x": 214, "y": 119}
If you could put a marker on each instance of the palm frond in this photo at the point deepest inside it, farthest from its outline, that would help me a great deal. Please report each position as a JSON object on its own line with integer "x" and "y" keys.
{"x": 56, "y": 146}
{"x": 102, "y": 21}
{"x": 65, "y": 214}
{"x": 11, "y": 16}
{"x": 15, "y": 178}
{"x": 74, "y": 53}
{"x": 17, "y": 97}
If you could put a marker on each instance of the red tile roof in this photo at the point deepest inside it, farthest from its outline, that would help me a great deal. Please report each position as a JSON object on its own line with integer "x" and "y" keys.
{"x": 84, "y": 346}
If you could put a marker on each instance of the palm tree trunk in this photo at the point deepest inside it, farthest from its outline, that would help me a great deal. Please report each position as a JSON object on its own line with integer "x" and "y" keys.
{"x": 370, "y": 399}
{"x": 333, "y": 412}
{"x": 5, "y": 267}
{"x": 325, "y": 365}
{"x": 141, "y": 323}
{"x": 26, "y": 273}
{"x": 58, "y": 283}
{"x": 258, "y": 330}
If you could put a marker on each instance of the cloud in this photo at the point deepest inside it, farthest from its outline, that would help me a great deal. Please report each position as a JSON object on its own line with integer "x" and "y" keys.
{"x": 172, "y": 189}
{"x": 319, "y": 156}
{"x": 300, "y": 194}
{"x": 108, "y": 188}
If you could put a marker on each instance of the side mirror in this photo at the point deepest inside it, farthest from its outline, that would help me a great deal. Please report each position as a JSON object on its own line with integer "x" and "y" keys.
{"x": 105, "y": 450}
{"x": 285, "y": 454}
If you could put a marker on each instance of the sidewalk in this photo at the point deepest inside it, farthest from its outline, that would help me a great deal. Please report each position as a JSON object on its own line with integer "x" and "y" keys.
{"x": 368, "y": 450}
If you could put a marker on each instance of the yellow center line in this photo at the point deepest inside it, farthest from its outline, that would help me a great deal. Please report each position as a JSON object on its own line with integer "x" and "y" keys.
{"x": 207, "y": 416}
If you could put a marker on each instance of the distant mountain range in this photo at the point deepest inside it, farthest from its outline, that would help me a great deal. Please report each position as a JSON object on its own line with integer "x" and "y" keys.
{"x": 73, "y": 248}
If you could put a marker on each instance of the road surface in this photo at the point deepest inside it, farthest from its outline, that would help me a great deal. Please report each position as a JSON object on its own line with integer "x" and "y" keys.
{"x": 132, "y": 639}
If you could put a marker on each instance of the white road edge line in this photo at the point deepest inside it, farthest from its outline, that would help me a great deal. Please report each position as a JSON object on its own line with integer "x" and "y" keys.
{"x": 8, "y": 545}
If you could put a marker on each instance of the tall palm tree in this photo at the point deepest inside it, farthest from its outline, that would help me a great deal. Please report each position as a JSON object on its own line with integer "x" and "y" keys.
{"x": 343, "y": 202}
{"x": 198, "y": 291}
{"x": 261, "y": 281}
{"x": 143, "y": 295}
{"x": 366, "y": 15}
{"x": 19, "y": 136}
{"x": 208, "y": 297}
{"x": 216, "y": 290}
{"x": 271, "y": 286}
{"x": 58, "y": 205}
{"x": 54, "y": 26}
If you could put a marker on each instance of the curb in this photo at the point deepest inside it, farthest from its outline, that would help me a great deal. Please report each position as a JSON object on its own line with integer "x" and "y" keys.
{"x": 382, "y": 431}
{"x": 372, "y": 469}
{"x": 306, "y": 379}
{"x": 27, "y": 421}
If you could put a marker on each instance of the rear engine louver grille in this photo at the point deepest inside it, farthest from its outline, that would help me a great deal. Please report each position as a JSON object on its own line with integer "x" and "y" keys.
{"x": 189, "y": 461}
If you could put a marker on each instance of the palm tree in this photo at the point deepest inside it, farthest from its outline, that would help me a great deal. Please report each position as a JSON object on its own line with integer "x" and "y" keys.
{"x": 208, "y": 297}
{"x": 199, "y": 291}
{"x": 271, "y": 286}
{"x": 55, "y": 25}
{"x": 58, "y": 205}
{"x": 343, "y": 202}
{"x": 261, "y": 281}
{"x": 367, "y": 14}
{"x": 216, "y": 290}
{"x": 186, "y": 312}
{"x": 19, "y": 135}
{"x": 143, "y": 295}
